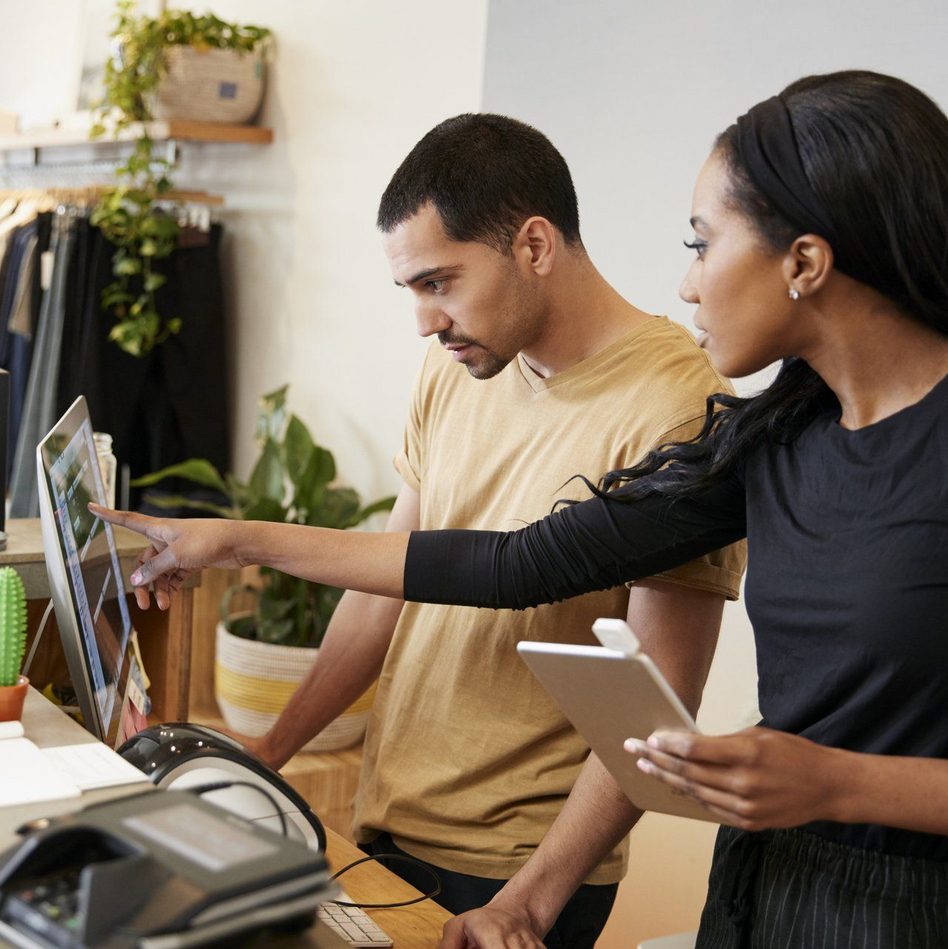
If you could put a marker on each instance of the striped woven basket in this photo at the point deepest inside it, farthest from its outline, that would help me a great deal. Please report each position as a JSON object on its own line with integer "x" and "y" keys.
{"x": 253, "y": 682}
{"x": 209, "y": 85}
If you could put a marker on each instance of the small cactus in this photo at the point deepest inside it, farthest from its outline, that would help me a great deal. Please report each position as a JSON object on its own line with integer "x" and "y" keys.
{"x": 12, "y": 625}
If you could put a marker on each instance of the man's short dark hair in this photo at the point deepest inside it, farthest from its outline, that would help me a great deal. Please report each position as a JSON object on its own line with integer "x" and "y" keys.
{"x": 485, "y": 174}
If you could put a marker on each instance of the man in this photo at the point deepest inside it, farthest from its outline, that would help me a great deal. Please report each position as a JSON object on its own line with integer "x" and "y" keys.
{"x": 467, "y": 760}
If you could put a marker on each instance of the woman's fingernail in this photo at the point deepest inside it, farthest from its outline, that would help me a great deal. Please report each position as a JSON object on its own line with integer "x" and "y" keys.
{"x": 136, "y": 578}
{"x": 655, "y": 741}
{"x": 644, "y": 765}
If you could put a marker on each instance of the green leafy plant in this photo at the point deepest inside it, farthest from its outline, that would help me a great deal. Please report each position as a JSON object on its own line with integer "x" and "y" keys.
{"x": 12, "y": 625}
{"x": 292, "y": 482}
{"x": 126, "y": 213}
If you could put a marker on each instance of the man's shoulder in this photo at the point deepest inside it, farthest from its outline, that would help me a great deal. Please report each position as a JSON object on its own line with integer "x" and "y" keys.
{"x": 669, "y": 378}
{"x": 669, "y": 356}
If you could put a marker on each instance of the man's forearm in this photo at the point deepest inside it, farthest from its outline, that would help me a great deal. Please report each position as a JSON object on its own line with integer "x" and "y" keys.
{"x": 349, "y": 660}
{"x": 354, "y": 560}
{"x": 359, "y": 633}
{"x": 679, "y": 627}
{"x": 595, "y": 818}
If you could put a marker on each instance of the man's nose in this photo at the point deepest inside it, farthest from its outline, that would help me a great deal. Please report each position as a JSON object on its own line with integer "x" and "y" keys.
{"x": 431, "y": 319}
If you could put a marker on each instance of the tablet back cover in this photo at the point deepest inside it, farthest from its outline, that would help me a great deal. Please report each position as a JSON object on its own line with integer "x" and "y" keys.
{"x": 609, "y": 697}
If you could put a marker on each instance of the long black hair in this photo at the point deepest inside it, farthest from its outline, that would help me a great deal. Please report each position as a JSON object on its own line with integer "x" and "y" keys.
{"x": 875, "y": 152}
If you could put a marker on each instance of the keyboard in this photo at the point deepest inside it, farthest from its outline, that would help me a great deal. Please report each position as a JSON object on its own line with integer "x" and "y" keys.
{"x": 351, "y": 924}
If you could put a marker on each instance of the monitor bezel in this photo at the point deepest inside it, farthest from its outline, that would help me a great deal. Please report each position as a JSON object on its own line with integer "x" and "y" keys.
{"x": 67, "y": 618}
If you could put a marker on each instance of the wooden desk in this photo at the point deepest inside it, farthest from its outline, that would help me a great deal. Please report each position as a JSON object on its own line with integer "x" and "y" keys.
{"x": 418, "y": 925}
{"x": 411, "y": 927}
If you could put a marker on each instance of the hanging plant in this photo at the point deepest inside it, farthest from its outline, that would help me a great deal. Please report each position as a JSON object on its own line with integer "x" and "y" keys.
{"x": 126, "y": 213}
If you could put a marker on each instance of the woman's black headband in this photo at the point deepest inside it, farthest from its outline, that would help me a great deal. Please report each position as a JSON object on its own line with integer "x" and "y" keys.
{"x": 768, "y": 150}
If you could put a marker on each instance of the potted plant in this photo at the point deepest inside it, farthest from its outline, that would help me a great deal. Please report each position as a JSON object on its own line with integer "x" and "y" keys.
{"x": 263, "y": 655}
{"x": 177, "y": 65}
{"x": 12, "y": 644}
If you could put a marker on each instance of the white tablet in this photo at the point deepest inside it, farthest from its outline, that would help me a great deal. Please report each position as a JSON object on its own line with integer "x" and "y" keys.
{"x": 610, "y": 695}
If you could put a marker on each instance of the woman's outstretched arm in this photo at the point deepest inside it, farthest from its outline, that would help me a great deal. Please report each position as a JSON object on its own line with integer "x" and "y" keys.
{"x": 178, "y": 547}
{"x": 595, "y": 545}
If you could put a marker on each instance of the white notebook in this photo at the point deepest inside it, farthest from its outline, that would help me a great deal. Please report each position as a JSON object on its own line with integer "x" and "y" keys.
{"x": 29, "y": 774}
{"x": 26, "y": 774}
{"x": 93, "y": 765}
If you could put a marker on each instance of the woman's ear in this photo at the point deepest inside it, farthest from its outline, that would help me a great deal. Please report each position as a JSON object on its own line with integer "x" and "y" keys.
{"x": 535, "y": 245}
{"x": 808, "y": 264}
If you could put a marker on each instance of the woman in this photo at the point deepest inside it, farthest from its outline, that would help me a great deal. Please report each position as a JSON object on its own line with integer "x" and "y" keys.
{"x": 821, "y": 222}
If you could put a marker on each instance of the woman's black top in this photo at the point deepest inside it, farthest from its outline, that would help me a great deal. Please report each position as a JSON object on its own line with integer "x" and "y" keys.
{"x": 847, "y": 581}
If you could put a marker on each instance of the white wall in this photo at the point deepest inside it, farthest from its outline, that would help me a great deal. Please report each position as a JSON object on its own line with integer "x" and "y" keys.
{"x": 353, "y": 86}
{"x": 633, "y": 93}
{"x": 40, "y": 59}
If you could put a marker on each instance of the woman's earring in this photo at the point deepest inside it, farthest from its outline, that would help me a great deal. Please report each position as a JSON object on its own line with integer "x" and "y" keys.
{"x": 794, "y": 293}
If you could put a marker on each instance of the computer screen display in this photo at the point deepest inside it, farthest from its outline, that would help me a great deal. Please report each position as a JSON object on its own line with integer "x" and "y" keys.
{"x": 94, "y": 623}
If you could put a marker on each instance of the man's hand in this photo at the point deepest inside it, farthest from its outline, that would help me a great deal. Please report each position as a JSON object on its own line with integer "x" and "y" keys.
{"x": 490, "y": 927}
{"x": 258, "y": 747}
{"x": 178, "y": 548}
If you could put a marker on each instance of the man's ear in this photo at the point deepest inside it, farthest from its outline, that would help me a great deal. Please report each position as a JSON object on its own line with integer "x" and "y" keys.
{"x": 808, "y": 264}
{"x": 535, "y": 245}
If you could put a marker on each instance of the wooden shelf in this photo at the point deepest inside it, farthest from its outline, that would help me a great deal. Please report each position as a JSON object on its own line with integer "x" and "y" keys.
{"x": 158, "y": 131}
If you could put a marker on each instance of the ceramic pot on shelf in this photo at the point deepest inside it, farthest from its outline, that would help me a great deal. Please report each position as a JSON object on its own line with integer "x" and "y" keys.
{"x": 209, "y": 85}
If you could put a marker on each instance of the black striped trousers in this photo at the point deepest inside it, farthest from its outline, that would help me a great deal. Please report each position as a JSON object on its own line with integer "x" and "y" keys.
{"x": 790, "y": 889}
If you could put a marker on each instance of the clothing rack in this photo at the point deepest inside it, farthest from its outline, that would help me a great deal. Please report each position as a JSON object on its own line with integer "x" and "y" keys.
{"x": 191, "y": 208}
{"x": 55, "y": 335}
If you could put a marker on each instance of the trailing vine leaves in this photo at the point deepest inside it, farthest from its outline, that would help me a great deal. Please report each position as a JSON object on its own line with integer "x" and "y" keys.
{"x": 126, "y": 213}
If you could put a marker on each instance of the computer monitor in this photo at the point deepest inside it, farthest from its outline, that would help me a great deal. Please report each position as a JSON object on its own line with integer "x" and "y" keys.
{"x": 85, "y": 579}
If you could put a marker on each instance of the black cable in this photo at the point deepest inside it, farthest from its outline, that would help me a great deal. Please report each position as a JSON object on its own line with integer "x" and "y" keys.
{"x": 389, "y": 856}
{"x": 221, "y": 785}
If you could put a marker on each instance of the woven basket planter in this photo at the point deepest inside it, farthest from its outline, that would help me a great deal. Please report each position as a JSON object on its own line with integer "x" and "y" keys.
{"x": 253, "y": 682}
{"x": 209, "y": 85}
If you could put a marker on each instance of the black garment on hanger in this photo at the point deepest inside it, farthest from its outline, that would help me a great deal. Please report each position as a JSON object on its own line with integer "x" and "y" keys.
{"x": 171, "y": 404}
{"x": 16, "y": 352}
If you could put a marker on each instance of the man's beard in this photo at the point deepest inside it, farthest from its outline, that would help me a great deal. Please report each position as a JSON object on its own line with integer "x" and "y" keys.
{"x": 491, "y": 364}
{"x": 487, "y": 366}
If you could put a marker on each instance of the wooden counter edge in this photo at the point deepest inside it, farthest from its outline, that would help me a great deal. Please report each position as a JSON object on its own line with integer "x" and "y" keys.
{"x": 411, "y": 927}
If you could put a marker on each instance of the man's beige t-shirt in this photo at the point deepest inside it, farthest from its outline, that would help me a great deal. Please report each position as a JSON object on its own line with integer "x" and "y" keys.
{"x": 467, "y": 759}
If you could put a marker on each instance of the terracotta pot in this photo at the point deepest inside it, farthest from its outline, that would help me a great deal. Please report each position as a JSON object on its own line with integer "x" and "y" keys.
{"x": 12, "y": 698}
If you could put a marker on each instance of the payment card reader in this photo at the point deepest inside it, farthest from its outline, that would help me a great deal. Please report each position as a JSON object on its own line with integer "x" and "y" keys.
{"x": 158, "y": 870}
